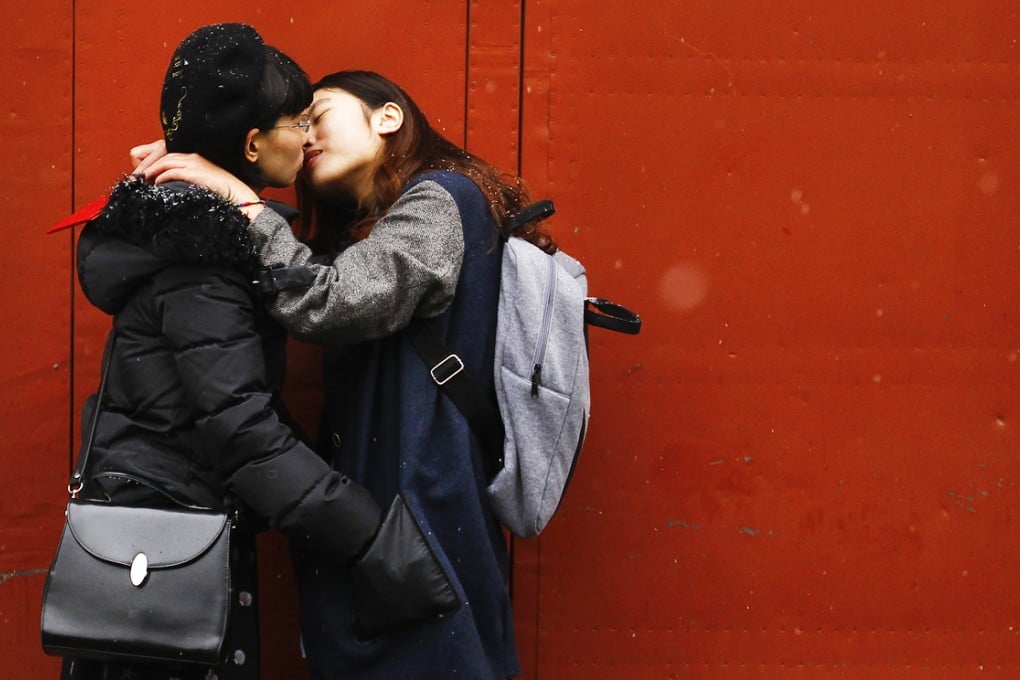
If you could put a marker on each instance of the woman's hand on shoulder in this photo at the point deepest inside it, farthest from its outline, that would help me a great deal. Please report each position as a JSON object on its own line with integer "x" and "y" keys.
{"x": 144, "y": 155}
{"x": 194, "y": 169}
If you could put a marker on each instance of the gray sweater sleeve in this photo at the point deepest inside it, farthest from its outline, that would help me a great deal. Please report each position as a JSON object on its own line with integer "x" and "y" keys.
{"x": 407, "y": 267}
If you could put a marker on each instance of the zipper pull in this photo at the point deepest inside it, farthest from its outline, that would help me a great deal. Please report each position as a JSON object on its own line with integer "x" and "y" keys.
{"x": 536, "y": 380}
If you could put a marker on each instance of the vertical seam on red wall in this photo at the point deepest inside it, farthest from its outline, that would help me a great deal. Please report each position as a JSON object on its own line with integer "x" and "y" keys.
{"x": 520, "y": 95}
{"x": 73, "y": 249}
{"x": 467, "y": 70}
{"x": 522, "y": 28}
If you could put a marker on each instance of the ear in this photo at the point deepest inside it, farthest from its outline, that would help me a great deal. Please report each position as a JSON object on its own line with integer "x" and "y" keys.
{"x": 388, "y": 118}
{"x": 252, "y": 145}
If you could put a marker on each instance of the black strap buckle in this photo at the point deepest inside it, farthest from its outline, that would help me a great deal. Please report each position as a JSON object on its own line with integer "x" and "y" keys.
{"x": 273, "y": 280}
{"x": 445, "y": 370}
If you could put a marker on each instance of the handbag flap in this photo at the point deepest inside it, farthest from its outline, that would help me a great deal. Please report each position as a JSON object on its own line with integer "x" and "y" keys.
{"x": 167, "y": 537}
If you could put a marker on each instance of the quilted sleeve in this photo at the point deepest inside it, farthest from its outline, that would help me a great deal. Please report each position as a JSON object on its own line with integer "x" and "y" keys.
{"x": 208, "y": 318}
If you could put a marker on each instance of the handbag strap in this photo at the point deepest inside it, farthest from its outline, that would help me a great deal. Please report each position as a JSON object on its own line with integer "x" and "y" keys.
{"x": 77, "y": 482}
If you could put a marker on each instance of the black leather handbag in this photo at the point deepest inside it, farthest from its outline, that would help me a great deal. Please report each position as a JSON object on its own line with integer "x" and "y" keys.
{"x": 136, "y": 583}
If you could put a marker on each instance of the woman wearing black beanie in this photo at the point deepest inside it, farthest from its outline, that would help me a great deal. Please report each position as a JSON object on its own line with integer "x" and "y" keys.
{"x": 191, "y": 413}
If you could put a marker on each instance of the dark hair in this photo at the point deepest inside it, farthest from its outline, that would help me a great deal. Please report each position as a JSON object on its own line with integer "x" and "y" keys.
{"x": 285, "y": 90}
{"x": 415, "y": 148}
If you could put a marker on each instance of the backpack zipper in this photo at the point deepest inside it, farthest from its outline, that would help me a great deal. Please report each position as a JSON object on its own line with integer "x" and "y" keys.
{"x": 543, "y": 338}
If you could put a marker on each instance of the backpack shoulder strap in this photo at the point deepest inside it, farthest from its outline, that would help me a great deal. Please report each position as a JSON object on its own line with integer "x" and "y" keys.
{"x": 447, "y": 371}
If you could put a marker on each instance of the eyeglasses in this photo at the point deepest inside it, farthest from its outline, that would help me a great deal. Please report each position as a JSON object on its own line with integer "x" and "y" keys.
{"x": 303, "y": 124}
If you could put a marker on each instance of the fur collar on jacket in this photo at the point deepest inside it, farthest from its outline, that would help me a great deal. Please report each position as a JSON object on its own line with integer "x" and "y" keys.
{"x": 178, "y": 223}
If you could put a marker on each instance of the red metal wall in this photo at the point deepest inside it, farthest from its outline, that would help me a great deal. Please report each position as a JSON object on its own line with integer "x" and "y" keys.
{"x": 803, "y": 467}
{"x": 35, "y": 152}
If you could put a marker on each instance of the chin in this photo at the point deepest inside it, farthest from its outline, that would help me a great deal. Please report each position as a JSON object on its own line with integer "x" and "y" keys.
{"x": 283, "y": 182}
{"x": 310, "y": 174}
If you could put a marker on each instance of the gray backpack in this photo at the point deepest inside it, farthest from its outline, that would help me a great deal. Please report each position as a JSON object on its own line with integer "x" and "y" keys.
{"x": 534, "y": 432}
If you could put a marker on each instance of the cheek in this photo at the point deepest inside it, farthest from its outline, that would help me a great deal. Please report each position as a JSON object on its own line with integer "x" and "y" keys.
{"x": 336, "y": 137}
{"x": 336, "y": 156}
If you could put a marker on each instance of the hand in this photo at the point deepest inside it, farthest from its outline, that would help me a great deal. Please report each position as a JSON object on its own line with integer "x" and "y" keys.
{"x": 144, "y": 155}
{"x": 194, "y": 169}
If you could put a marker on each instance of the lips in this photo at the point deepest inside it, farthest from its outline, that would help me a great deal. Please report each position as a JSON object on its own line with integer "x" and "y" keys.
{"x": 311, "y": 156}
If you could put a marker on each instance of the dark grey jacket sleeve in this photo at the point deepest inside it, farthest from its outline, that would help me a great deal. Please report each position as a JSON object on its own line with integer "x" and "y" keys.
{"x": 407, "y": 267}
{"x": 210, "y": 325}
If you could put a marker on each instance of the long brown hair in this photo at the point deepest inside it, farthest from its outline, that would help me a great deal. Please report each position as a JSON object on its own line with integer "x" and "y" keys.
{"x": 415, "y": 148}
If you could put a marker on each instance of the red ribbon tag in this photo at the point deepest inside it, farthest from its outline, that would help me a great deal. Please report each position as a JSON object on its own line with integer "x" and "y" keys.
{"x": 82, "y": 216}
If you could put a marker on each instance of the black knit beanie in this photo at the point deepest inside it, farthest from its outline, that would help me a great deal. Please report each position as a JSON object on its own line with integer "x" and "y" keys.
{"x": 210, "y": 93}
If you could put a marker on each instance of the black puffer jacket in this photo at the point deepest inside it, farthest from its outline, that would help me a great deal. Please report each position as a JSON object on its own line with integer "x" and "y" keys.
{"x": 189, "y": 409}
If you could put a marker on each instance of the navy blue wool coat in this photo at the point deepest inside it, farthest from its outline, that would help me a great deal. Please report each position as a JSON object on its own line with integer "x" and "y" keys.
{"x": 388, "y": 427}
